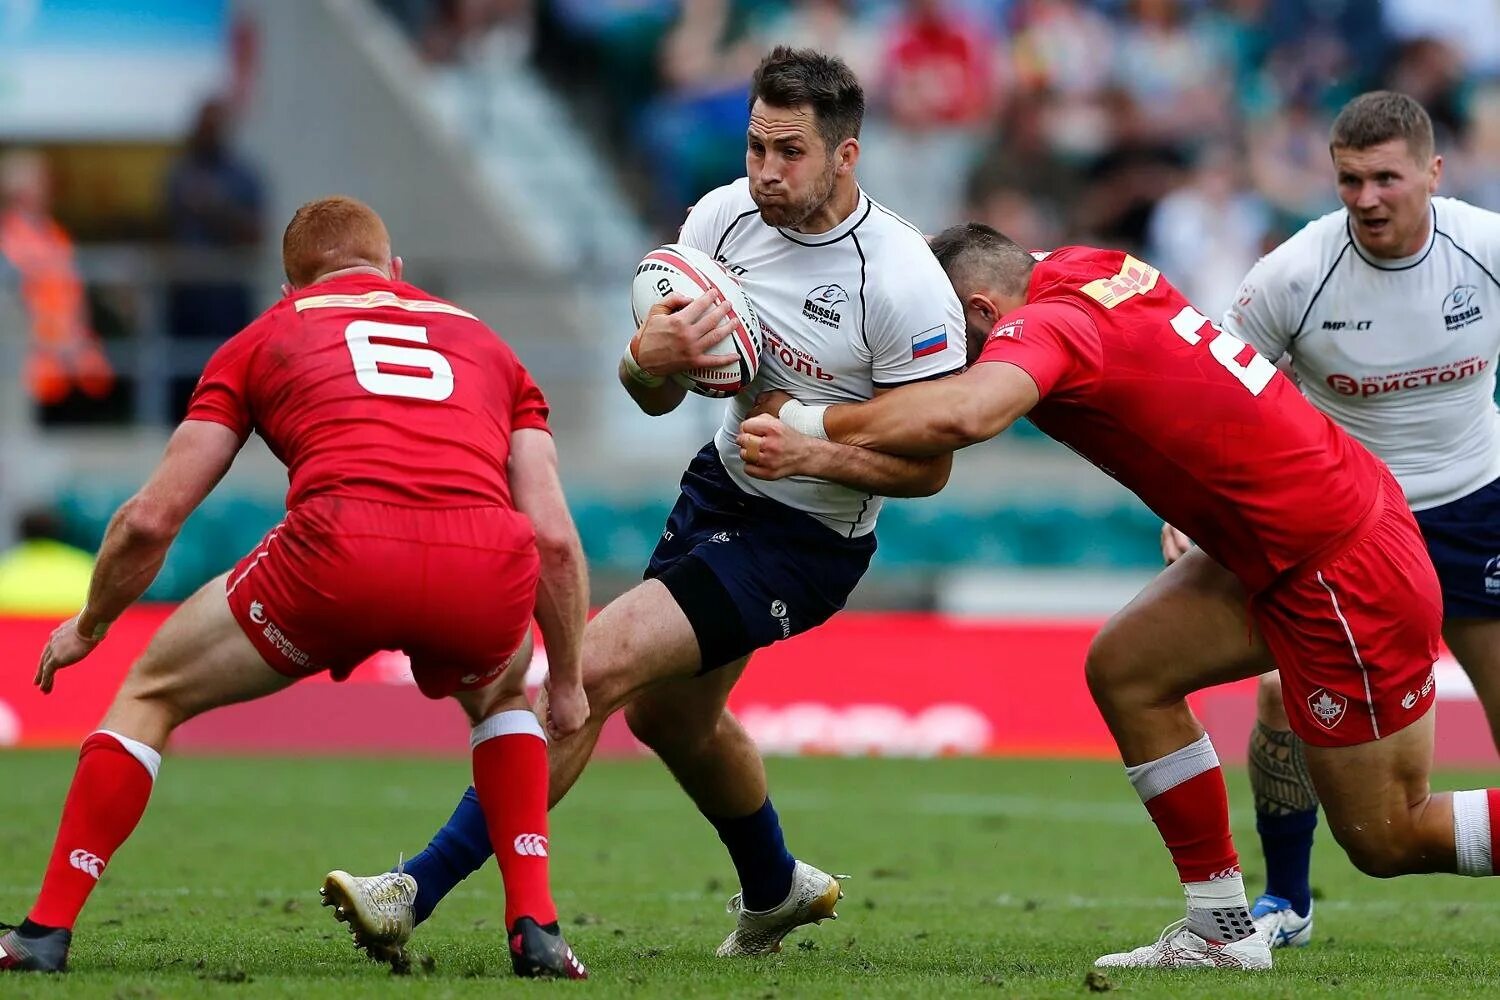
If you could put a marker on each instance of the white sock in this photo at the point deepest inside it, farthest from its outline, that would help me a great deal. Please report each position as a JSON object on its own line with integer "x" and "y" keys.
{"x": 1471, "y": 832}
{"x": 1218, "y": 910}
{"x": 517, "y": 721}
{"x": 151, "y": 760}
{"x": 1156, "y": 776}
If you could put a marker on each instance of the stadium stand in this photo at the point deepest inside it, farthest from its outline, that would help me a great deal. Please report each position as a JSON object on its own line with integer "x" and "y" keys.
{"x": 559, "y": 138}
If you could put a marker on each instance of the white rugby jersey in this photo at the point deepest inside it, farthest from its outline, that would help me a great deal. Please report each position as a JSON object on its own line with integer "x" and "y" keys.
{"x": 1400, "y": 352}
{"x": 862, "y": 306}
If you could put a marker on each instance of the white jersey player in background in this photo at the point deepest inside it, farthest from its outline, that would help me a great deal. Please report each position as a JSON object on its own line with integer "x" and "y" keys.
{"x": 1389, "y": 315}
{"x": 851, "y": 302}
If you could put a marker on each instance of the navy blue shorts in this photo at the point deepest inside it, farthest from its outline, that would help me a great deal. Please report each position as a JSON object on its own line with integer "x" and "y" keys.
{"x": 1463, "y": 538}
{"x": 748, "y": 571}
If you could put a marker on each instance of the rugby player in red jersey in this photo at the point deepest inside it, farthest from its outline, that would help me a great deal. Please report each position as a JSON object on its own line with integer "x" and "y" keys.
{"x": 1308, "y": 553}
{"x": 424, "y": 514}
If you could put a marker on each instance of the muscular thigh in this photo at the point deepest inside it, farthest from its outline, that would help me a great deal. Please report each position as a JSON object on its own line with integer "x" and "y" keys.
{"x": 199, "y": 659}
{"x": 1188, "y": 629}
{"x": 689, "y": 707}
{"x": 639, "y": 639}
{"x": 1374, "y": 795}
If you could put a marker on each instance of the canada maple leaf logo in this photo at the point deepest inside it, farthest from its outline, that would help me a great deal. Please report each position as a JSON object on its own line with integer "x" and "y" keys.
{"x": 1328, "y": 708}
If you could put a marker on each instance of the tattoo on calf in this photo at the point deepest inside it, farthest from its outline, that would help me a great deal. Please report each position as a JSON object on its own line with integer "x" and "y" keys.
{"x": 1279, "y": 777}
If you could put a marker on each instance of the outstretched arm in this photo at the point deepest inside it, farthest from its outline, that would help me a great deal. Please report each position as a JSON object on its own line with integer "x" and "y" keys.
{"x": 857, "y": 468}
{"x": 562, "y": 598}
{"x": 772, "y": 450}
{"x": 139, "y": 535}
{"x": 929, "y": 419}
{"x": 936, "y": 418}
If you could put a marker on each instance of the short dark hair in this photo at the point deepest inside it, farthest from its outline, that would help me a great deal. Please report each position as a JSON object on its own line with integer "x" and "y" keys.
{"x": 1380, "y": 116}
{"x": 789, "y": 78}
{"x": 974, "y": 255}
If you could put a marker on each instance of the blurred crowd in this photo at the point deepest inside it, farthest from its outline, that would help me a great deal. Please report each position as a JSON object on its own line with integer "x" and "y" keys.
{"x": 210, "y": 207}
{"x": 1194, "y": 131}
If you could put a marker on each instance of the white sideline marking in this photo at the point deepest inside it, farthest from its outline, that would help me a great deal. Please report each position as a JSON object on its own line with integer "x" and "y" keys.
{"x": 1009, "y": 901}
{"x": 1004, "y": 900}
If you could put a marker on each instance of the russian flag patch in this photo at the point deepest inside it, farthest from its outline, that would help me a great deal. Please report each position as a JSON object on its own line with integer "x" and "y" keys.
{"x": 929, "y": 342}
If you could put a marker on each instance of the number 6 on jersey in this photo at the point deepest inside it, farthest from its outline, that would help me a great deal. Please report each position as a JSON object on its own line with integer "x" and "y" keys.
{"x": 435, "y": 385}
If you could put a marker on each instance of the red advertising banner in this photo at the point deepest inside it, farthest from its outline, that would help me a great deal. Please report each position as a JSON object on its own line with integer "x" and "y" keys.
{"x": 888, "y": 683}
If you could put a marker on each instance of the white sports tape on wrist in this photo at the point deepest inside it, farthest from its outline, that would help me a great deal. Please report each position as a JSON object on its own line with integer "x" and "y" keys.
{"x": 805, "y": 419}
{"x": 637, "y": 373}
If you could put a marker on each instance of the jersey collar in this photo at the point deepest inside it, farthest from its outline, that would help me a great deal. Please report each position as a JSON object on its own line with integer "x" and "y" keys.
{"x": 1394, "y": 263}
{"x": 861, "y": 211}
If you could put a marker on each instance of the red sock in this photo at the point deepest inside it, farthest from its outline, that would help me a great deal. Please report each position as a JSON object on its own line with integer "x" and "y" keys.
{"x": 1193, "y": 817}
{"x": 105, "y": 802}
{"x": 510, "y": 777}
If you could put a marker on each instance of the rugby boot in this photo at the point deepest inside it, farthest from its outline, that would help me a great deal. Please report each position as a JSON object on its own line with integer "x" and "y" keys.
{"x": 1281, "y": 925}
{"x": 378, "y": 909}
{"x": 538, "y": 952}
{"x": 1180, "y": 948}
{"x": 47, "y": 952}
{"x": 811, "y": 900}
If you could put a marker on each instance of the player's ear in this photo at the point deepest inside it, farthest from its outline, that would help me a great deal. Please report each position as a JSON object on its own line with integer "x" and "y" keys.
{"x": 848, "y": 156}
{"x": 286, "y": 290}
{"x": 398, "y": 266}
{"x": 984, "y": 307}
{"x": 1434, "y": 174}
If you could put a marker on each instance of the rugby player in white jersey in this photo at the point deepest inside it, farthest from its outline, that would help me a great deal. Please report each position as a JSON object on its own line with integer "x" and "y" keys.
{"x": 852, "y": 303}
{"x": 1389, "y": 315}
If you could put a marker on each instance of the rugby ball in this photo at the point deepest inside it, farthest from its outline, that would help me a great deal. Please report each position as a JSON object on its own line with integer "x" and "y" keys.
{"x": 691, "y": 272}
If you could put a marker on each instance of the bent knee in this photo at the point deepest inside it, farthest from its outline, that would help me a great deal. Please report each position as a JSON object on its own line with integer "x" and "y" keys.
{"x": 1379, "y": 860}
{"x": 1118, "y": 677}
{"x": 1384, "y": 850}
{"x": 661, "y": 725}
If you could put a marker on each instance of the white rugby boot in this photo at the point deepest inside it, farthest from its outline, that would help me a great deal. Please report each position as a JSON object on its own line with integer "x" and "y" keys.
{"x": 1279, "y": 924}
{"x": 379, "y": 909}
{"x": 1180, "y": 948}
{"x": 811, "y": 900}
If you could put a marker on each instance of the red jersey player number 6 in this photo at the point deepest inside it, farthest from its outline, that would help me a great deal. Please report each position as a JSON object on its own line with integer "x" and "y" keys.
{"x": 435, "y": 384}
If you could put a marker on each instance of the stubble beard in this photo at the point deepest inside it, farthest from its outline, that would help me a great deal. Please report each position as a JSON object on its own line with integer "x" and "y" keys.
{"x": 790, "y": 215}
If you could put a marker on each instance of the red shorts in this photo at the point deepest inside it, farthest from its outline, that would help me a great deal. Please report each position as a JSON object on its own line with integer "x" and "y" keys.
{"x": 340, "y": 579}
{"x": 1356, "y": 634}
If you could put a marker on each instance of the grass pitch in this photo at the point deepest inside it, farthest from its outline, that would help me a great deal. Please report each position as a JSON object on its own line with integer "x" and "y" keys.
{"x": 970, "y": 878}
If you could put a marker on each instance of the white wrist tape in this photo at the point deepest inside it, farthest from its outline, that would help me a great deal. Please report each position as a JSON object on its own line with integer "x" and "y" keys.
{"x": 805, "y": 419}
{"x": 638, "y": 374}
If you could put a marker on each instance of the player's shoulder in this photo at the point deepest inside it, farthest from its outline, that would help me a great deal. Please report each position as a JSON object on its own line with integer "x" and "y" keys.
{"x": 888, "y": 226}
{"x": 895, "y": 257}
{"x": 1465, "y": 224}
{"x": 1063, "y": 272}
{"x": 729, "y": 201}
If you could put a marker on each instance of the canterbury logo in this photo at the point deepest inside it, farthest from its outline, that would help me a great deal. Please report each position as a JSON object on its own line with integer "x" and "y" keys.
{"x": 87, "y": 862}
{"x": 532, "y": 844}
{"x": 1226, "y": 873}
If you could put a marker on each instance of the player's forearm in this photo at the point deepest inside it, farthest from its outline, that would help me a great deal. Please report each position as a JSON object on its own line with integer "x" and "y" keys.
{"x": 899, "y": 424}
{"x": 653, "y": 400}
{"x": 134, "y": 548}
{"x": 562, "y": 603}
{"x": 877, "y": 472}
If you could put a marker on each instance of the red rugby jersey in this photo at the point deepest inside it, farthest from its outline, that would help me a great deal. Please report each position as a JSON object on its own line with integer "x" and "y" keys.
{"x": 373, "y": 389}
{"x": 1204, "y": 430}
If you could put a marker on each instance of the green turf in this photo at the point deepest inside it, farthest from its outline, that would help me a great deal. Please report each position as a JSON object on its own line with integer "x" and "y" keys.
{"x": 970, "y": 878}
